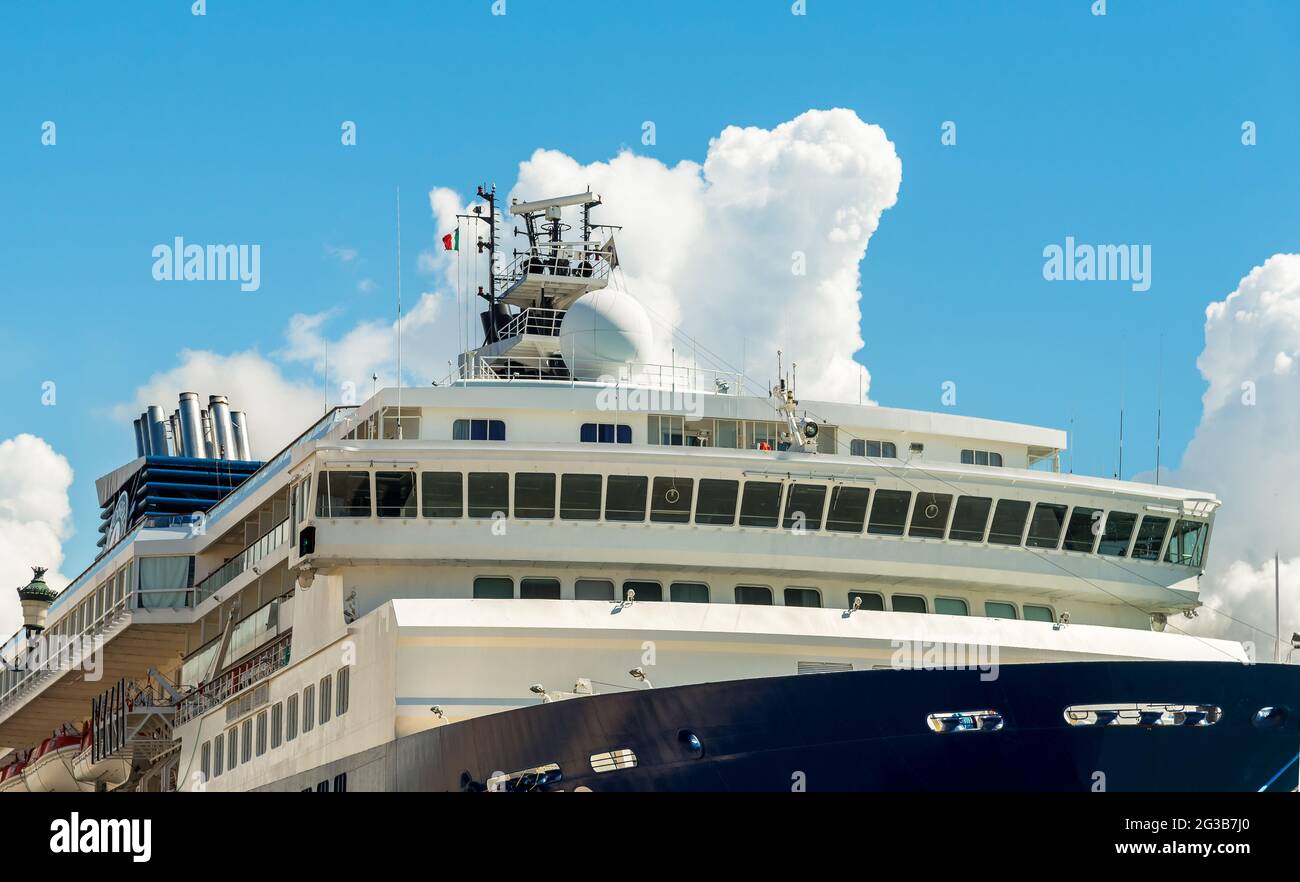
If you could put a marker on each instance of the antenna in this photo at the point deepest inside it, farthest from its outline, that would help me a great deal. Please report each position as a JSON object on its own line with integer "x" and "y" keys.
{"x": 1277, "y": 608}
{"x": 399, "y": 315}
{"x": 1160, "y": 379}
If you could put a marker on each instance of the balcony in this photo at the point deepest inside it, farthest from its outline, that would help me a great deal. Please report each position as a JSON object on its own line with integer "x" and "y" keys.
{"x": 245, "y": 560}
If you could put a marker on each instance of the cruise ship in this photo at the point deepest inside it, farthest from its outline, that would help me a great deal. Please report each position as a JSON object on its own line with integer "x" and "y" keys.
{"x": 563, "y": 568}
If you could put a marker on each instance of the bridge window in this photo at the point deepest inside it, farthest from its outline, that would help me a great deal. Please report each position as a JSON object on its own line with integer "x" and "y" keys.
{"x": 1008, "y": 522}
{"x": 219, "y": 754}
{"x": 981, "y": 457}
{"x": 605, "y": 433}
{"x": 760, "y": 506}
{"x": 494, "y": 588}
{"x": 344, "y": 679}
{"x": 717, "y": 503}
{"x": 1045, "y": 526}
{"x": 308, "y": 708}
{"x": 261, "y": 733}
{"x": 291, "y": 717}
{"x": 930, "y": 517}
{"x": 644, "y": 590}
{"x": 996, "y": 609}
{"x": 848, "y": 511}
{"x": 1079, "y": 534}
{"x": 889, "y": 512}
{"x": 870, "y": 600}
{"x": 754, "y": 595}
{"x": 539, "y": 589}
{"x": 489, "y": 493}
{"x": 277, "y": 724}
{"x": 808, "y": 501}
{"x": 1187, "y": 543}
{"x": 1151, "y": 535}
{"x": 443, "y": 494}
{"x": 1035, "y": 613}
{"x": 806, "y": 597}
{"x": 343, "y": 495}
{"x": 534, "y": 495}
{"x": 1116, "y": 533}
{"x": 951, "y": 606}
{"x": 326, "y": 698}
{"x": 625, "y": 497}
{"x": 909, "y": 603}
{"x": 478, "y": 430}
{"x": 970, "y": 518}
{"x": 580, "y": 497}
{"x": 593, "y": 589}
{"x": 688, "y": 592}
{"x": 671, "y": 500}
{"x": 395, "y": 494}
{"x": 873, "y": 449}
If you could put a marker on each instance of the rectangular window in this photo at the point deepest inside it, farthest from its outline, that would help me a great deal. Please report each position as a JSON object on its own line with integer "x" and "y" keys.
{"x": 644, "y": 590}
{"x": 395, "y": 494}
{"x": 717, "y": 503}
{"x": 666, "y": 430}
{"x": 205, "y": 762}
{"x": 970, "y": 518}
{"x": 344, "y": 679}
{"x": 1038, "y": 613}
{"x": 403, "y": 422}
{"x": 580, "y": 497}
{"x": 930, "y": 517}
{"x": 443, "y": 494}
{"x": 478, "y": 430}
{"x": 291, "y": 718}
{"x": 218, "y": 755}
{"x": 1045, "y": 526}
{"x": 494, "y": 588}
{"x": 754, "y": 595}
{"x": 807, "y": 597}
{"x": 761, "y": 504}
{"x": 804, "y": 505}
{"x": 277, "y": 725}
{"x": 688, "y": 592}
{"x": 870, "y": 600}
{"x": 625, "y": 497}
{"x": 996, "y": 609}
{"x": 1079, "y": 532}
{"x": 1117, "y": 532}
{"x": 889, "y": 512}
{"x": 848, "y": 511}
{"x": 232, "y": 748}
{"x": 1187, "y": 543}
{"x": 951, "y": 606}
{"x": 261, "y": 732}
{"x": 489, "y": 493}
{"x": 671, "y": 501}
{"x": 246, "y": 740}
{"x": 593, "y": 589}
{"x": 534, "y": 495}
{"x": 343, "y": 495}
{"x": 1008, "y": 522}
{"x": 308, "y": 709}
{"x": 909, "y": 603}
{"x": 326, "y": 698}
{"x": 726, "y": 434}
{"x": 873, "y": 449}
{"x": 539, "y": 589}
{"x": 1151, "y": 535}
{"x": 605, "y": 433}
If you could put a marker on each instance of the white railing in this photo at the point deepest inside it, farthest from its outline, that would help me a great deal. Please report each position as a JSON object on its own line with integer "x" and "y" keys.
{"x": 680, "y": 378}
{"x": 534, "y": 320}
{"x": 579, "y": 261}
{"x": 240, "y": 563}
{"x": 237, "y": 679}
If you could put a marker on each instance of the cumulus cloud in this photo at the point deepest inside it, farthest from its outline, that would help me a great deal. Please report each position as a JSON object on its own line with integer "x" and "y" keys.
{"x": 35, "y": 519}
{"x": 278, "y": 408}
{"x": 1245, "y": 450}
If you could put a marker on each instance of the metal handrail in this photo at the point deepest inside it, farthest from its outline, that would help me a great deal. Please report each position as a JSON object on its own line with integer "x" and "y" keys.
{"x": 534, "y": 320}
{"x": 578, "y": 260}
{"x": 247, "y": 673}
{"x": 254, "y": 552}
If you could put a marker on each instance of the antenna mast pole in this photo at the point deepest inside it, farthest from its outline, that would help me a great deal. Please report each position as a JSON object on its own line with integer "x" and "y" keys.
{"x": 399, "y": 316}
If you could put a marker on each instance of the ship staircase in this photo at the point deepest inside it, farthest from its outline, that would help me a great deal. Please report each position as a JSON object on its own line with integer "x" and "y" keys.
{"x": 133, "y": 719}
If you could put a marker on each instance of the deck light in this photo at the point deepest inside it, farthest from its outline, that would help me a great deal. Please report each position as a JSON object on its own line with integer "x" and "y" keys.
{"x": 638, "y": 674}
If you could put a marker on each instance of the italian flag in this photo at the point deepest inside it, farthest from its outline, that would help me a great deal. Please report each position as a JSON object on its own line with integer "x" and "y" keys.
{"x": 451, "y": 241}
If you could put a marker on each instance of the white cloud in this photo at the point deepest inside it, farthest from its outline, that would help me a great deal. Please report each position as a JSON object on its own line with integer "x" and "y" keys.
{"x": 35, "y": 519}
{"x": 278, "y": 408}
{"x": 1247, "y": 449}
{"x": 344, "y": 255}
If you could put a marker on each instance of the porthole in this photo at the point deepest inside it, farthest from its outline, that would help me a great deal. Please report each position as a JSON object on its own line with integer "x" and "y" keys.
{"x": 1270, "y": 717}
{"x": 690, "y": 743}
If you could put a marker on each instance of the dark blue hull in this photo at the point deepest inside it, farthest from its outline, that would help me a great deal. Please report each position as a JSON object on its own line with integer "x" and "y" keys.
{"x": 867, "y": 731}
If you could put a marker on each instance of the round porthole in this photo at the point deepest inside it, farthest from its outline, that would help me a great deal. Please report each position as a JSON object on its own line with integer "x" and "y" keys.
{"x": 1270, "y": 717}
{"x": 690, "y": 743}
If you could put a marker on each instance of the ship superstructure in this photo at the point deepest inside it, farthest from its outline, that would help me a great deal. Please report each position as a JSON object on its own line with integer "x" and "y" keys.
{"x": 430, "y": 589}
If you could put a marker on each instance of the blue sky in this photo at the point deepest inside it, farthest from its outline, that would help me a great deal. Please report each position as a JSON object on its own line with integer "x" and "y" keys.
{"x": 1117, "y": 129}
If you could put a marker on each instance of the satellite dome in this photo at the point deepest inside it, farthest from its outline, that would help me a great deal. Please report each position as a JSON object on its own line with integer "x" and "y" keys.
{"x": 602, "y": 332}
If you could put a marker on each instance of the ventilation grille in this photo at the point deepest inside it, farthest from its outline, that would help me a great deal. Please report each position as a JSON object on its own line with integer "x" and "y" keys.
{"x": 820, "y": 667}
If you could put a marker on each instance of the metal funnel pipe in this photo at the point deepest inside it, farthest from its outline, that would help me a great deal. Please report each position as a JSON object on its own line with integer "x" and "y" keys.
{"x": 157, "y": 430}
{"x": 192, "y": 443}
{"x": 239, "y": 420}
{"x": 223, "y": 432}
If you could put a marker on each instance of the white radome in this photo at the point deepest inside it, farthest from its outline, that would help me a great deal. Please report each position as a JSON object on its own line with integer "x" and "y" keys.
{"x": 603, "y": 332}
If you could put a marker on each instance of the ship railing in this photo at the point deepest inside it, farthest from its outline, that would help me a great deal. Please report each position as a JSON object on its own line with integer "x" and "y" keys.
{"x": 246, "y": 673}
{"x": 680, "y": 378}
{"x": 583, "y": 261}
{"x": 534, "y": 320}
{"x": 242, "y": 562}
